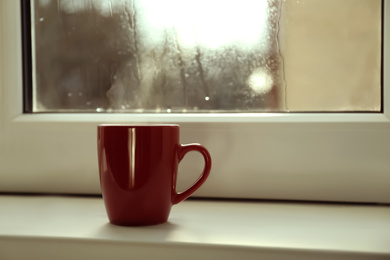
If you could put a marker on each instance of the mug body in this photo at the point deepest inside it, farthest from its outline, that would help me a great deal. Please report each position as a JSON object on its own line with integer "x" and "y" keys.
{"x": 138, "y": 168}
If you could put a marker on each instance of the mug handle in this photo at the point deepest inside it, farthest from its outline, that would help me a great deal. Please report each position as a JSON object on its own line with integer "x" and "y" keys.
{"x": 182, "y": 151}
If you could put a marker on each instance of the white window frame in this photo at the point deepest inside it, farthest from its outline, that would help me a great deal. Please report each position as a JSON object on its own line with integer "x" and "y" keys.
{"x": 290, "y": 156}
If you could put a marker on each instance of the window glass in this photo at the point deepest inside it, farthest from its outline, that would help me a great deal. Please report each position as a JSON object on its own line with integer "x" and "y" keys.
{"x": 206, "y": 56}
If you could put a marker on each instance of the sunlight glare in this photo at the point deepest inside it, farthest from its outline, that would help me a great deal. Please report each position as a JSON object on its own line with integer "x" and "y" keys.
{"x": 209, "y": 23}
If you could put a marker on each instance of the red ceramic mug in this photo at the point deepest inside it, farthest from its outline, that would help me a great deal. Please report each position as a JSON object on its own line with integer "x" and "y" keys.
{"x": 138, "y": 168}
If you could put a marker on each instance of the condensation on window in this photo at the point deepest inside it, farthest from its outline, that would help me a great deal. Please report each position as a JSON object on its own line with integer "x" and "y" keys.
{"x": 206, "y": 55}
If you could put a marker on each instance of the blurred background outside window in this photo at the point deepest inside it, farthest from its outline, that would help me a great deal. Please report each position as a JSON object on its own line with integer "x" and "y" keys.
{"x": 206, "y": 55}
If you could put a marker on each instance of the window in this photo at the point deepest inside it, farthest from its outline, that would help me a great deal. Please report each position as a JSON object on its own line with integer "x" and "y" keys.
{"x": 314, "y": 156}
{"x": 206, "y": 56}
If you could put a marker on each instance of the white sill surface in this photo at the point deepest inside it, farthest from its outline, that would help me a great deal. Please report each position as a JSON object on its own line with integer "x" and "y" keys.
{"x": 56, "y": 227}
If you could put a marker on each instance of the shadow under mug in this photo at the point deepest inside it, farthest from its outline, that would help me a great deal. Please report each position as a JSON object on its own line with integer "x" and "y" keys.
{"x": 138, "y": 171}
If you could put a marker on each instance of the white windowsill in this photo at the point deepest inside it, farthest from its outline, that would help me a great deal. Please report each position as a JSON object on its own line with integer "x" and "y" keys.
{"x": 56, "y": 227}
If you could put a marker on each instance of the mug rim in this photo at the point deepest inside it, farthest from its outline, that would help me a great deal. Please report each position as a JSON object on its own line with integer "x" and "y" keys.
{"x": 138, "y": 125}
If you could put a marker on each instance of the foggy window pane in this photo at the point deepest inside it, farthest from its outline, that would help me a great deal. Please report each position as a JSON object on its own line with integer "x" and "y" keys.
{"x": 206, "y": 55}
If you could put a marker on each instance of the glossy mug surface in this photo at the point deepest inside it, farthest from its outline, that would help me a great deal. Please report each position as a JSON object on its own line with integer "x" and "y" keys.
{"x": 138, "y": 168}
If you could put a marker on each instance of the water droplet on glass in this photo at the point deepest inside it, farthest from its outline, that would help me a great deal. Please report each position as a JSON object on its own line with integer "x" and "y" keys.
{"x": 207, "y": 98}
{"x": 169, "y": 110}
{"x": 88, "y": 103}
{"x": 99, "y": 109}
{"x": 41, "y": 19}
{"x": 70, "y": 94}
